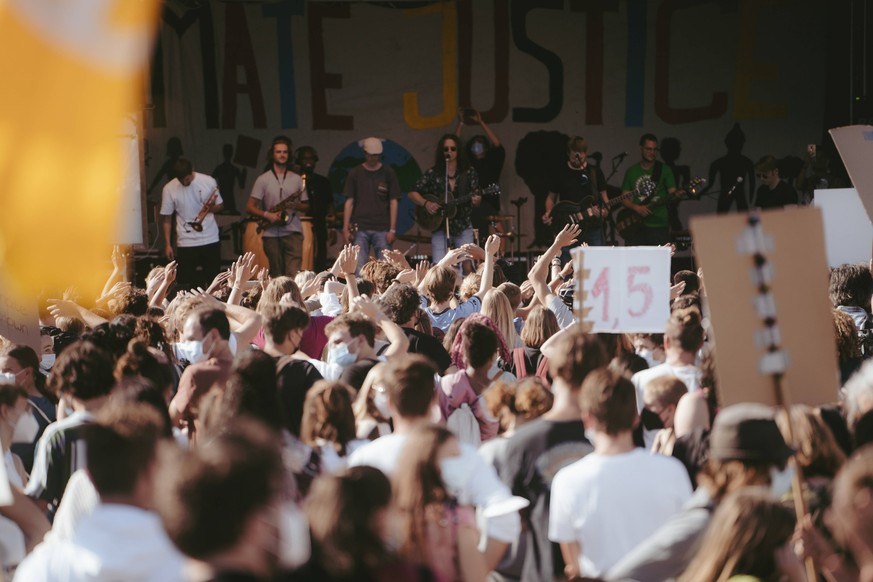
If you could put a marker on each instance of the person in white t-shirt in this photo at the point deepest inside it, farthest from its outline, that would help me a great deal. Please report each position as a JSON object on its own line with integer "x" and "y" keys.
{"x": 123, "y": 538}
{"x": 409, "y": 383}
{"x": 605, "y": 504}
{"x": 193, "y": 198}
{"x": 683, "y": 338}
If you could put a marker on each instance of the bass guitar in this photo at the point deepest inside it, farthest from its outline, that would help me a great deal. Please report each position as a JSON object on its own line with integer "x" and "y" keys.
{"x": 629, "y": 224}
{"x": 431, "y": 222}
{"x": 585, "y": 212}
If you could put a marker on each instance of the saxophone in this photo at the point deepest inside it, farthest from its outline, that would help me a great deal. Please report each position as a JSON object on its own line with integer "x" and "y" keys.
{"x": 197, "y": 223}
{"x": 282, "y": 207}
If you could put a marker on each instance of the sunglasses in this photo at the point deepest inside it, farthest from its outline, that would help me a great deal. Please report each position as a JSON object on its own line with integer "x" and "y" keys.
{"x": 450, "y": 149}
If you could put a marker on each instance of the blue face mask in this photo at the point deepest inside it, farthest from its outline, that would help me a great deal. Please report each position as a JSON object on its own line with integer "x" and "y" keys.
{"x": 341, "y": 356}
{"x": 477, "y": 148}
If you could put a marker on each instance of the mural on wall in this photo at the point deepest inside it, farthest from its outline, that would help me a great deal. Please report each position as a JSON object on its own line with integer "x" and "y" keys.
{"x": 227, "y": 77}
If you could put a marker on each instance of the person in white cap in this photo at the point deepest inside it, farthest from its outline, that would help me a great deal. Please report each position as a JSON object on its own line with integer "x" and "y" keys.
{"x": 372, "y": 193}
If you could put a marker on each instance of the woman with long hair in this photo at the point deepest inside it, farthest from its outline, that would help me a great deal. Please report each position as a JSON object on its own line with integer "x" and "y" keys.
{"x": 328, "y": 423}
{"x": 750, "y": 536}
{"x": 350, "y": 519}
{"x": 496, "y": 306}
{"x": 541, "y": 324}
{"x": 436, "y": 530}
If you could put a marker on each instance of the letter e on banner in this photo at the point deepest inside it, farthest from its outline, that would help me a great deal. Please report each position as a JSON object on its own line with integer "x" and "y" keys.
{"x": 625, "y": 289}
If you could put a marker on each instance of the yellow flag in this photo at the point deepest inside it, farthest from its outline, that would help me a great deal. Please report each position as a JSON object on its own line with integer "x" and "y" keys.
{"x": 71, "y": 71}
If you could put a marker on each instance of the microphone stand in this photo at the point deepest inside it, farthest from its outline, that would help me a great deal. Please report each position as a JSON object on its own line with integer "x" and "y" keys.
{"x": 446, "y": 202}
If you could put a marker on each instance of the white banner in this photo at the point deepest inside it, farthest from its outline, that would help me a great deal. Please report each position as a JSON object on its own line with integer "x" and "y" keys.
{"x": 847, "y": 229}
{"x": 625, "y": 289}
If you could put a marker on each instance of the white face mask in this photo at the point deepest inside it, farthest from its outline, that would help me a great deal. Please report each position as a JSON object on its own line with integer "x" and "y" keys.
{"x": 294, "y": 543}
{"x": 8, "y": 377}
{"x": 46, "y": 362}
{"x": 330, "y": 304}
{"x": 780, "y": 481}
{"x": 380, "y": 400}
{"x": 341, "y": 356}
{"x": 190, "y": 350}
{"x": 455, "y": 472}
{"x": 26, "y": 428}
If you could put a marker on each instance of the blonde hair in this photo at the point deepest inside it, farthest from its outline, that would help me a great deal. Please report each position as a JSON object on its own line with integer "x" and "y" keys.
{"x": 496, "y": 306}
{"x": 685, "y": 329}
{"x": 665, "y": 390}
{"x": 470, "y": 285}
{"x": 541, "y": 324}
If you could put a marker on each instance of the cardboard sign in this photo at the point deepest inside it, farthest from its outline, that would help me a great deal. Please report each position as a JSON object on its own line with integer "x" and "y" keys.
{"x": 624, "y": 289}
{"x": 855, "y": 144}
{"x": 795, "y": 295}
{"x": 19, "y": 321}
{"x": 848, "y": 231}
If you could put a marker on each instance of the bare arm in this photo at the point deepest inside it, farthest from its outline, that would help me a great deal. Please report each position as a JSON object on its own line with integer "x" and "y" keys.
{"x": 27, "y": 515}
{"x": 571, "y": 553}
{"x": 492, "y": 137}
{"x": 167, "y": 226}
{"x": 348, "y": 208}
{"x": 537, "y": 275}
{"x": 492, "y": 245}
{"x": 62, "y": 307}
{"x": 471, "y": 561}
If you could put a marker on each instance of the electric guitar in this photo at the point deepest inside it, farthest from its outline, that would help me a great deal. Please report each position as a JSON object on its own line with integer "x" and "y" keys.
{"x": 630, "y": 224}
{"x": 565, "y": 212}
{"x": 431, "y": 222}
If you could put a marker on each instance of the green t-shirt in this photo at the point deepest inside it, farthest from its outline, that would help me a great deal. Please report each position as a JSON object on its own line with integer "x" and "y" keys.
{"x": 658, "y": 202}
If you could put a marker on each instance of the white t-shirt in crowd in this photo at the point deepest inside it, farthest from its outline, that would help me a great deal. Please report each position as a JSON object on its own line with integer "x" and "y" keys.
{"x": 562, "y": 313}
{"x": 444, "y": 318}
{"x": 186, "y": 202}
{"x": 483, "y": 488}
{"x": 115, "y": 542}
{"x": 610, "y": 503}
{"x": 690, "y": 375}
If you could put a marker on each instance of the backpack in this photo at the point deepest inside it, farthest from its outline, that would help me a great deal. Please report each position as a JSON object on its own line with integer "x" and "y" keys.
{"x": 521, "y": 370}
{"x": 464, "y": 424}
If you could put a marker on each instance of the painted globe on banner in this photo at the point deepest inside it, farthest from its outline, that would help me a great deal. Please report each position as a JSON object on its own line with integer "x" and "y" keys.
{"x": 394, "y": 155}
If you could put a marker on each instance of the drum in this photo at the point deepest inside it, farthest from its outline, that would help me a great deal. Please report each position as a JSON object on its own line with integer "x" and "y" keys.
{"x": 253, "y": 242}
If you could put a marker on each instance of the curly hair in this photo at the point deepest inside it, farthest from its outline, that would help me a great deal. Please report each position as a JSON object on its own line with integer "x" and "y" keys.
{"x": 400, "y": 303}
{"x": 83, "y": 371}
{"x": 328, "y": 415}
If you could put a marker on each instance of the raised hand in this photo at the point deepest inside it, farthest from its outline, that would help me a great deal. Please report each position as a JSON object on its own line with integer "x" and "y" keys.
{"x": 349, "y": 259}
{"x": 368, "y": 307}
{"x": 421, "y": 270}
{"x": 245, "y": 265}
{"x": 568, "y": 235}
{"x": 63, "y": 308}
{"x": 310, "y": 288}
{"x": 219, "y": 281}
{"x": 492, "y": 245}
{"x": 453, "y": 257}
{"x": 396, "y": 258}
{"x": 406, "y": 276}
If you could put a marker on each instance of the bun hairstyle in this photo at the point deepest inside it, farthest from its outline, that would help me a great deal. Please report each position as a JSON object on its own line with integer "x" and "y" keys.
{"x": 470, "y": 342}
{"x": 685, "y": 329}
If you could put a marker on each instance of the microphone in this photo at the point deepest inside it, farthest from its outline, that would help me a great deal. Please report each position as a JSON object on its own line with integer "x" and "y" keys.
{"x": 734, "y": 187}
{"x": 447, "y": 156}
{"x": 620, "y": 157}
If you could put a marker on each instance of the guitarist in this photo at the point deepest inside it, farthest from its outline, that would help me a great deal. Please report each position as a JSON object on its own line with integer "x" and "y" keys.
{"x": 283, "y": 241}
{"x": 580, "y": 183}
{"x": 451, "y": 162}
{"x": 653, "y": 209}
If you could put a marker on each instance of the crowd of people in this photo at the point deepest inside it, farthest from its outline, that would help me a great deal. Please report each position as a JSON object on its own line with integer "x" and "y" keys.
{"x": 381, "y": 420}
{"x": 392, "y": 422}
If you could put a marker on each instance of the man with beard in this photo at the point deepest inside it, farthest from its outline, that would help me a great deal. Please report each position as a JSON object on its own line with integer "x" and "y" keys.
{"x": 283, "y": 239}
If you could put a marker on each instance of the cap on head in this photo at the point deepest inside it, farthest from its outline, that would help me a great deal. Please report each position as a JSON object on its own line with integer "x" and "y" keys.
{"x": 748, "y": 432}
{"x": 372, "y": 145}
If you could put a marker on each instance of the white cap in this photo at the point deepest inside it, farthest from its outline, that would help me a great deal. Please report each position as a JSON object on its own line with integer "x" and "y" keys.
{"x": 372, "y": 145}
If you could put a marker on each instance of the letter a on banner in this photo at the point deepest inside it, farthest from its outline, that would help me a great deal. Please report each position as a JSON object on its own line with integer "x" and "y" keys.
{"x": 73, "y": 71}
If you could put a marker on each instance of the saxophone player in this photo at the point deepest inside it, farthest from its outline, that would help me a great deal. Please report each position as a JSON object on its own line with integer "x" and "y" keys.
{"x": 193, "y": 198}
{"x": 283, "y": 239}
